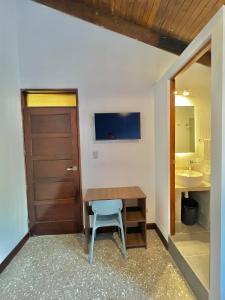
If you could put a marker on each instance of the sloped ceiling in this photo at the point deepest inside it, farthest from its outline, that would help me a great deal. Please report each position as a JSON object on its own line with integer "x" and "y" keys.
{"x": 166, "y": 24}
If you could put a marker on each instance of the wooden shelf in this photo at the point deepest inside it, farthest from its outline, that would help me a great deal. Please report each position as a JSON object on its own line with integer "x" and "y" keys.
{"x": 135, "y": 216}
{"x": 135, "y": 239}
{"x": 135, "y": 223}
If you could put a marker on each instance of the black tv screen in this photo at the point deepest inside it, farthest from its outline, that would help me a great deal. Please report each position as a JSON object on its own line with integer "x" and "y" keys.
{"x": 117, "y": 126}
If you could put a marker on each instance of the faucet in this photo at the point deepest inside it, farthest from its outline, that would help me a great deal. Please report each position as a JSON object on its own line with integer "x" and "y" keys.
{"x": 190, "y": 163}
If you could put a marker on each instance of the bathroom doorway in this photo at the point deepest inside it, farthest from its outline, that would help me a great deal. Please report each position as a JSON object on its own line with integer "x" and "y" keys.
{"x": 190, "y": 169}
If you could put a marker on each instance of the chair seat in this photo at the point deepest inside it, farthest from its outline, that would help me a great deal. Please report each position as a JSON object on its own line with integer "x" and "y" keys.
{"x": 109, "y": 220}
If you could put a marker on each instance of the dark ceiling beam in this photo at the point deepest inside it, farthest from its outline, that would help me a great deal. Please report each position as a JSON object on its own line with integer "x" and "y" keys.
{"x": 79, "y": 9}
{"x": 108, "y": 21}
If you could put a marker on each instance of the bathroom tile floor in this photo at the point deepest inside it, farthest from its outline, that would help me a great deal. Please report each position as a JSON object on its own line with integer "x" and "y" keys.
{"x": 182, "y": 228}
{"x": 55, "y": 267}
{"x": 193, "y": 242}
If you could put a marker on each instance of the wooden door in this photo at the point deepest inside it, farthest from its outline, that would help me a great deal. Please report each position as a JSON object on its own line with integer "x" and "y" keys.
{"x": 52, "y": 169}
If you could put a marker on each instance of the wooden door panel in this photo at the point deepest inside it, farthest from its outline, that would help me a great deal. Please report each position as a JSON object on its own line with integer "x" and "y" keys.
{"x": 55, "y": 212}
{"x": 49, "y": 111}
{"x": 51, "y": 146}
{"x": 57, "y": 227}
{"x": 54, "y": 190}
{"x": 50, "y": 123}
{"x": 52, "y": 168}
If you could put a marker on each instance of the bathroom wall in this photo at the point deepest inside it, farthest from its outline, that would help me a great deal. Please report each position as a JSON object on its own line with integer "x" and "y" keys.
{"x": 197, "y": 80}
{"x": 203, "y": 199}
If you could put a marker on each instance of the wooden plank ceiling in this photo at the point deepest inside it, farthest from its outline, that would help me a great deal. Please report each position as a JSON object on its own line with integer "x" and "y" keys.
{"x": 166, "y": 24}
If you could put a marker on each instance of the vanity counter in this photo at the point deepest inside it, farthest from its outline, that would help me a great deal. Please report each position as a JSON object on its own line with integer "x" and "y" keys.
{"x": 204, "y": 186}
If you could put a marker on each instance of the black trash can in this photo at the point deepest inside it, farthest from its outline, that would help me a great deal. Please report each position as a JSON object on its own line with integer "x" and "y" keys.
{"x": 189, "y": 211}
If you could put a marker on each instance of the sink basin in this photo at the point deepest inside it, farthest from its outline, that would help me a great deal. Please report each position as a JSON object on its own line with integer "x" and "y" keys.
{"x": 188, "y": 178}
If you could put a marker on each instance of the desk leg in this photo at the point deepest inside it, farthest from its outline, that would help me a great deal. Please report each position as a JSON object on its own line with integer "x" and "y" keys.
{"x": 87, "y": 228}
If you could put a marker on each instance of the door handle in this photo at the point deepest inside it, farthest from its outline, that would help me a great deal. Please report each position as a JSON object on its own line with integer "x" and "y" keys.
{"x": 73, "y": 168}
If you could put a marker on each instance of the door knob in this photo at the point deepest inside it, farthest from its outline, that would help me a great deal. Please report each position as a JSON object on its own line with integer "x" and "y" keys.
{"x": 73, "y": 168}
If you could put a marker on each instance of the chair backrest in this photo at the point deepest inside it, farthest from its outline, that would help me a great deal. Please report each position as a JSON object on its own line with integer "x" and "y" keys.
{"x": 107, "y": 207}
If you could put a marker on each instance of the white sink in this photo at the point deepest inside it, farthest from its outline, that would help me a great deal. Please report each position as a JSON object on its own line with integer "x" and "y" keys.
{"x": 188, "y": 178}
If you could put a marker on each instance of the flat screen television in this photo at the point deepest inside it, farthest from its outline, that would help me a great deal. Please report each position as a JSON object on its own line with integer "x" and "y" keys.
{"x": 117, "y": 126}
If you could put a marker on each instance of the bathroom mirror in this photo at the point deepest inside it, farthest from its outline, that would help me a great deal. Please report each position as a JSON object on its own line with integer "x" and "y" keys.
{"x": 185, "y": 129}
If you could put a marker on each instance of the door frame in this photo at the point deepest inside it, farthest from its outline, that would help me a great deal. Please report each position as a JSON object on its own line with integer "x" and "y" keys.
{"x": 193, "y": 59}
{"x": 23, "y": 93}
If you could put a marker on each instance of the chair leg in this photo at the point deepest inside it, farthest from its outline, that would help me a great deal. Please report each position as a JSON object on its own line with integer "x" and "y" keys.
{"x": 122, "y": 236}
{"x": 92, "y": 246}
{"x": 119, "y": 233}
{"x": 92, "y": 241}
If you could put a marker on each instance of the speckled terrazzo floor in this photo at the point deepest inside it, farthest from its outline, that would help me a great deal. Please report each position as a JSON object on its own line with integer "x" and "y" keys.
{"x": 55, "y": 267}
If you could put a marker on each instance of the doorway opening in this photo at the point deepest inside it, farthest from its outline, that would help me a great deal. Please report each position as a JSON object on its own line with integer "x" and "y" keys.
{"x": 190, "y": 164}
{"x": 52, "y": 157}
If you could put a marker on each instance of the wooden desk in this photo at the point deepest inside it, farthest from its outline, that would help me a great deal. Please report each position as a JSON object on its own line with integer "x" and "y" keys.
{"x": 134, "y": 213}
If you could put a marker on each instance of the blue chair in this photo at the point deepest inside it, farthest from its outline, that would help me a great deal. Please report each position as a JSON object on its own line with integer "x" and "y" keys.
{"x": 106, "y": 213}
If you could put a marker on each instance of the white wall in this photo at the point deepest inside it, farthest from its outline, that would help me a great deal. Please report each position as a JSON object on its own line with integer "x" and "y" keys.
{"x": 216, "y": 31}
{"x": 13, "y": 208}
{"x": 112, "y": 73}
